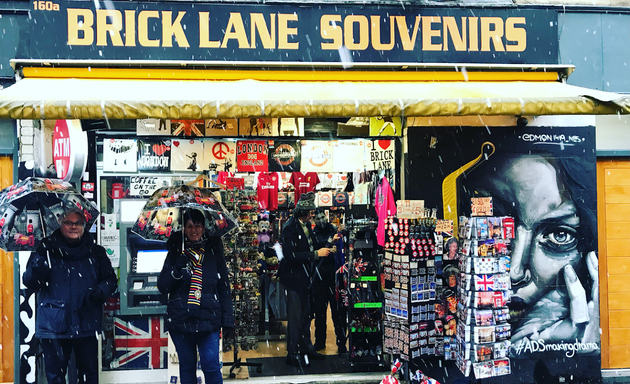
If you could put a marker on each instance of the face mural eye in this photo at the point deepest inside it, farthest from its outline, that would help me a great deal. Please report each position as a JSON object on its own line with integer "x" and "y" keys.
{"x": 559, "y": 239}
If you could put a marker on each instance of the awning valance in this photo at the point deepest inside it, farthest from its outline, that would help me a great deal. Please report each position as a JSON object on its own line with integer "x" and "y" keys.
{"x": 43, "y": 98}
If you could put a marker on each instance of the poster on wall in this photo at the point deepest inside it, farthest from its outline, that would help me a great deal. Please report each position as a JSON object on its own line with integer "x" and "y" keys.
{"x": 252, "y": 156}
{"x": 220, "y": 155}
{"x": 380, "y": 154}
{"x": 385, "y": 126}
{"x": 153, "y": 127}
{"x": 258, "y": 126}
{"x": 348, "y": 155}
{"x": 187, "y": 155}
{"x": 222, "y": 127}
{"x": 545, "y": 179}
{"x": 317, "y": 156}
{"x": 284, "y": 155}
{"x": 154, "y": 155}
{"x": 291, "y": 126}
{"x": 120, "y": 155}
{"x": 188, "y": 128}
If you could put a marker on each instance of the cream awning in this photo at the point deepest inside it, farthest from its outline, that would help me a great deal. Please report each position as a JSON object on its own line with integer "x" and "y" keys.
{"x": 68, "y": 98}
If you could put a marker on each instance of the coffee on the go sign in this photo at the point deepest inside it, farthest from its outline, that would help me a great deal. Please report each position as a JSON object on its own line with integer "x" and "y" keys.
{"x": 145, "y": 186}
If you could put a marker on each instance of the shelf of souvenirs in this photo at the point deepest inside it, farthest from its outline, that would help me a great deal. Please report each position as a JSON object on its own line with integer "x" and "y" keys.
{"x": 484, "y": 369}
{"x": 482, "y": 228}
{"x": 485, "y": 349}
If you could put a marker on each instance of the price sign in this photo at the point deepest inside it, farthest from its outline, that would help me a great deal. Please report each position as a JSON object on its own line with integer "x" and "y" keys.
{"x": 481, "y": 206}
{"x": 444, "y": 226}
{"x": 409, "y": 209}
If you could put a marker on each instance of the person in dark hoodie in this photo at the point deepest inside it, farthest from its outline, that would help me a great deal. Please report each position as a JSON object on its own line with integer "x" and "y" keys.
{"x": 74, "y": 277}
{"x": 326, "y": 235}
{"x": 299, "y": 254}
{"x": 195, "y": 277}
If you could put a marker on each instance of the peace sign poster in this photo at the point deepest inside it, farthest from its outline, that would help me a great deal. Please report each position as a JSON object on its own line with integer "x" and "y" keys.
{"x": 220, "y": 155}
{"x": 317, "y": 156}
{"x": 251, "y": 156}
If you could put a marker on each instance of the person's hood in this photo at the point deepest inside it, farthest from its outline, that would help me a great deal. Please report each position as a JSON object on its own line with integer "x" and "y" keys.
{"x": 80, "y": 251}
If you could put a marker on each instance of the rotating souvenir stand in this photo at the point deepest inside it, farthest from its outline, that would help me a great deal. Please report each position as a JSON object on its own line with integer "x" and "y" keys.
{"x": 484, "y": 332}
{"x": 412, "y": 327}
{"x": 365, "y": 301}
{"x": 243, "y": 251}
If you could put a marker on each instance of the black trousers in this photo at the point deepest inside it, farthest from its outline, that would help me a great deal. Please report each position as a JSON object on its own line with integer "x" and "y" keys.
{"x": 322, "y": 296}
{"x": 298, "y": 323}
{"x": 57, "y": 355}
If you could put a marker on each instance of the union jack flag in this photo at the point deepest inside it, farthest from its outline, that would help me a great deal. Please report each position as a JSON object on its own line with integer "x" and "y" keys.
{"x": 484, "y": 282}
{"x": 140, "y": 343}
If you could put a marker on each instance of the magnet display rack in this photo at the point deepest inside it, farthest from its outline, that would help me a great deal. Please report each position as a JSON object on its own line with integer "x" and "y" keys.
{"x": 365, "y": 332}
{"x": 484, "y": 332}
{"x": 413, "y": 326}
{"x": 242, "y": 254}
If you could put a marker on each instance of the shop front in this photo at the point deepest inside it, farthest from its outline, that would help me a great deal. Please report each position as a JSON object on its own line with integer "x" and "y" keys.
{"x": 262, "y": 103}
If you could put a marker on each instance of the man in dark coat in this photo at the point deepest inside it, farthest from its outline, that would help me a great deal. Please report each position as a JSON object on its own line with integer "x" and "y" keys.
{"x": 325, "y": 235}
{"x": 296, "y": 266}
{"x": 74, "y": 277}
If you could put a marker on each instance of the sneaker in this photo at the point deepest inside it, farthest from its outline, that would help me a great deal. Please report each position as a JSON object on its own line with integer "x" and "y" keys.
{"x": 319, "y": 347}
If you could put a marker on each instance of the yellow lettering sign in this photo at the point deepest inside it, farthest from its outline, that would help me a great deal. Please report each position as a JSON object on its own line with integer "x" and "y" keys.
{"x": 104, "y": 27}
{"x": 330, "y": 27}
{"x": 284, "y": 31}
{"x": 170, "y": 29}
{"x": 80, "y": 22}
{"x": 235, "y": 30}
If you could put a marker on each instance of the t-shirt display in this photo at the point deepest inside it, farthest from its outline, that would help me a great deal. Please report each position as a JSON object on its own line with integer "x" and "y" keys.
{"x": 220, "y": 155}
{"x": 303, "y": 182}
{"x": 251, "y": 156}
{"x": 385, "y": 206}
{"x": 317, "y": 156}
{"x": 154, "y": 154}
{"x": 349, "y": 155}
{"x": 284, "y": 155}
{"x": 120, "y": 155}
{"x": 267, "y": 190}
{"x": 187, "y": 155}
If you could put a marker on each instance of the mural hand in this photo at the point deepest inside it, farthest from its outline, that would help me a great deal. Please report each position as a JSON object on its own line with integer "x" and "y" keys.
{"x": 577, "y": 297}
{"x": 591, "y": 333}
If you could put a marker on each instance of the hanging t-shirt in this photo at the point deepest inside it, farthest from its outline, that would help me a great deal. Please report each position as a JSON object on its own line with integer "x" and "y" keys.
{"x": 327, "y": 181}
{"x": 221, "y": 176}
{"x": 361, "y": 194}
{"x": 317, "y": 156}
{"x": 385, "y": 206}
{"x": 303, "y": 182}
{"x": 348, "y": 155}
{"x": 341, "y": 180}
{"x": 267, "y": 190}
{"x": 284, "y": 155}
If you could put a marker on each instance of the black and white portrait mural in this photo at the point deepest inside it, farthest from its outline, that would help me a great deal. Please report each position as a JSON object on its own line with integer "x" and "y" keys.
{"x": 545, "y": 178}
{"x": 28, "y": 343}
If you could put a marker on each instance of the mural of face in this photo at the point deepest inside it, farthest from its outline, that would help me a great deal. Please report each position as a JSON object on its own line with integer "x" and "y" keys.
{"x": 546, "y": 234}
{"x": 549, "y": 300}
